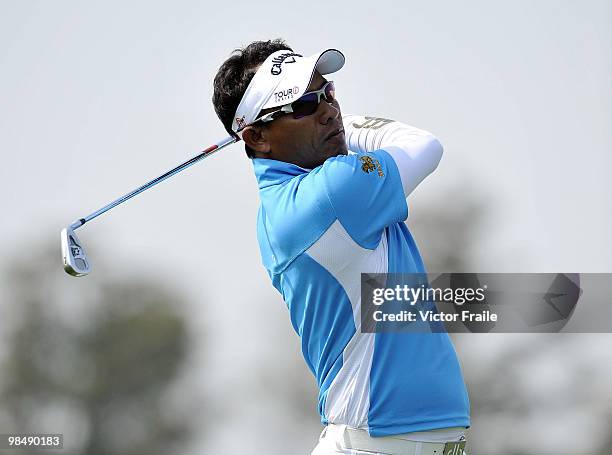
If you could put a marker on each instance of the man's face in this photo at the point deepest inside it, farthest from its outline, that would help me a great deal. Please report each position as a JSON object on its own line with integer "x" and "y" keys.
{"x": 307, "y": 141}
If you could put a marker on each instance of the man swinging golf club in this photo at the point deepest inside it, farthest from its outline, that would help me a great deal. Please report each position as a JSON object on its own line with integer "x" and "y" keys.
{"x": 326, "y": 216}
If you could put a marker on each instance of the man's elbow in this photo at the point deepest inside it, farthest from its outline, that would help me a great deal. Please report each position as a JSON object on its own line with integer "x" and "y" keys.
{"x": 433, "y": 151}
{"x": 416, "y": 159}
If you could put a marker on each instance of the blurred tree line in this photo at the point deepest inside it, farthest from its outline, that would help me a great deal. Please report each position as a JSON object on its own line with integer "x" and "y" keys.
{"x": 92, "y": 359}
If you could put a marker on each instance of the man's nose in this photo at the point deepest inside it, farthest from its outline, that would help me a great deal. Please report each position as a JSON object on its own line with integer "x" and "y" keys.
{"x": 328, "y": 112}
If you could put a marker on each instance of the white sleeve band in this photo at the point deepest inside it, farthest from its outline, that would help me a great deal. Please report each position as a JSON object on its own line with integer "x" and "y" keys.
{"x": 415, "y": 152}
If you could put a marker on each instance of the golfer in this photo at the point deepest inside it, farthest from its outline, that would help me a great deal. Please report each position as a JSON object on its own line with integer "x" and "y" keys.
{"x": 326, "y": 216}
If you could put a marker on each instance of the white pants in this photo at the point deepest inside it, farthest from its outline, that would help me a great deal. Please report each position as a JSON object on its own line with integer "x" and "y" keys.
{"x": 332, "y": 442}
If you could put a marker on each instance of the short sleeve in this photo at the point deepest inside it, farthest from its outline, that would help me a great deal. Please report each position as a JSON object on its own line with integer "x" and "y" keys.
{"x": 365, "y": 191}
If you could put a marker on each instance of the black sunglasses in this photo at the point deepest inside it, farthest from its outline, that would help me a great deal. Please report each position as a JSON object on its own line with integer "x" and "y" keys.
{"x": 305, "y": 105}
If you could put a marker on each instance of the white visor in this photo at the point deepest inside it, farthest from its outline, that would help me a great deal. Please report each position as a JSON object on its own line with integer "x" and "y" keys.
{"x": 281, "y": 79}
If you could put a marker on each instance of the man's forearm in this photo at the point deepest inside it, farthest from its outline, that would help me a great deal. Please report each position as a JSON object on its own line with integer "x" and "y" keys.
{"x": 416, "y": 152}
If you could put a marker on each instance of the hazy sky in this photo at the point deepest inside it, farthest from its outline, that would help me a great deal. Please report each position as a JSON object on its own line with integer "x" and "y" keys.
{"x": 98, "y": 97}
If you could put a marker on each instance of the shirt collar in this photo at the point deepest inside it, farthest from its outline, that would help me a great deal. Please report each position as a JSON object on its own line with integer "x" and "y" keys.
{"x": 273, "y": 172}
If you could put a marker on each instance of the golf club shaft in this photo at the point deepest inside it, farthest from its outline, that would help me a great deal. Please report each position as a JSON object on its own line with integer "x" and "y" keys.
{"x": 209, "y": 151}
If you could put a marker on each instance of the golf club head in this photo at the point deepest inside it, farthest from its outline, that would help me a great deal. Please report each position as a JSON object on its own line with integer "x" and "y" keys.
{"x": 75, "y": 259}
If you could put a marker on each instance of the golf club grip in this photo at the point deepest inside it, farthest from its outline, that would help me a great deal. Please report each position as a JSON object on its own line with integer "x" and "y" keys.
{"x": 204, "y": 154}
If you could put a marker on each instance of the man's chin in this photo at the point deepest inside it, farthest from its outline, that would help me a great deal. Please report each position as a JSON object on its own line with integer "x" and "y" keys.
{"x": 337, "y": 150}
{"x": 341, "y": 151}
{"x": 332, "y": 152}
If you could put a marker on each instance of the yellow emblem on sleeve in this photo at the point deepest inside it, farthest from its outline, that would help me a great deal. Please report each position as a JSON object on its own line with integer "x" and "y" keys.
{"x": 367, "y": 165}
{"x": 370, "y": 165}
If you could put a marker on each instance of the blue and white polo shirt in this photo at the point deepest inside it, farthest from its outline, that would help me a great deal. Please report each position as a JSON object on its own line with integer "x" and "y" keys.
{"x": 318, "y": 230}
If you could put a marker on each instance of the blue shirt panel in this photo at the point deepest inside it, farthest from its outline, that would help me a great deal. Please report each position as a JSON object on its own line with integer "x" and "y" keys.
{"x": 366, "y": 194}
{"x": 416, "y": 382}
{"x": 322, "y": 316}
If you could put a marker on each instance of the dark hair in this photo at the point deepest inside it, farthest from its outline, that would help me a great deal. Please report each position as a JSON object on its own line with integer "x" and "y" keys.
{"x": 234, "y": 75}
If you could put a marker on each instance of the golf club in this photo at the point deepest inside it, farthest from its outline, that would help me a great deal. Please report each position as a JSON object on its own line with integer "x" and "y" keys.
{"x": 76, "y": 262}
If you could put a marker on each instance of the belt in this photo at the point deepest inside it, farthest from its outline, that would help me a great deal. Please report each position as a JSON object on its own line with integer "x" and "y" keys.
{"x": 352, "y": 438}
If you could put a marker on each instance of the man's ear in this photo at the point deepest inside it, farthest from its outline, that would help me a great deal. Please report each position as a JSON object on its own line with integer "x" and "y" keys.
{"x": 255, "y": 137}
